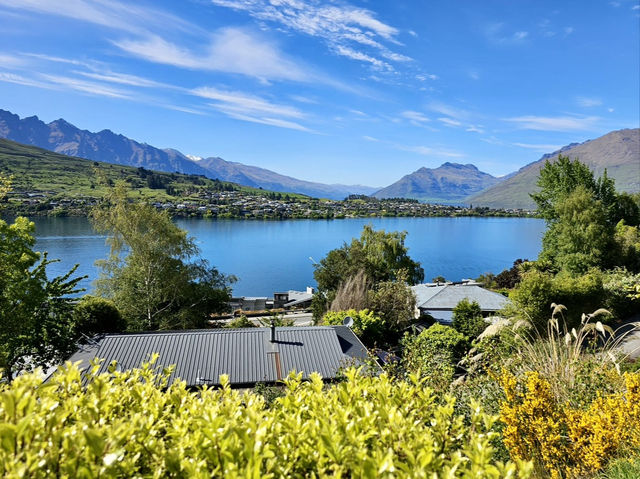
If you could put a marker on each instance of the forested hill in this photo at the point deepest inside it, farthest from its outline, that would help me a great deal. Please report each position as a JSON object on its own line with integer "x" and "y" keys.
{"x": 618, "y": 152}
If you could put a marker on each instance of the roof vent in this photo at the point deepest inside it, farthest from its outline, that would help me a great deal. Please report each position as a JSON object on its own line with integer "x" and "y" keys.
{"x": 348, "y": 322}
{"x": 273, "y": 331}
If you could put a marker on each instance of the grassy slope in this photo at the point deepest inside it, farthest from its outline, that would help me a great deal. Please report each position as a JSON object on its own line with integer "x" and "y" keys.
{"x": 37, "y": 169}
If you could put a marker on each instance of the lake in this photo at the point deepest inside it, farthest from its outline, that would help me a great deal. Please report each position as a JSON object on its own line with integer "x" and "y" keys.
{"x": 269, "y": 256}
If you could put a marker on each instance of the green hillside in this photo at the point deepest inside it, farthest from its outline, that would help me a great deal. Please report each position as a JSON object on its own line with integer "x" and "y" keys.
{"x": 36, "y": 170}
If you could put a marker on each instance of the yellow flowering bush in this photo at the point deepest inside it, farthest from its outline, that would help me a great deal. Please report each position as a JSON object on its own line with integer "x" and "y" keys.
{"x": 562, "y": 440}
{"x": 131, "y": 424}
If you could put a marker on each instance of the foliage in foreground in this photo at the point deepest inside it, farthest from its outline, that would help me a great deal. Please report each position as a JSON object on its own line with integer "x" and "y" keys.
{"x": 563, "y": 440}
{"x": 128, "y": 424}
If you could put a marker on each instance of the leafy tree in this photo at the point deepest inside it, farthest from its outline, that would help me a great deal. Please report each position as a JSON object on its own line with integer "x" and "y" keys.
{"x": 36, "y": 325}
{"x": 381, "y": 256}
{"x": 93, "y": 315}
{"x": 439, "y": 279}
{"x": 580, "y": 237}
{"x": 509, "y": 278}
{"x": 395, "y": 303}
{"x": 161, "y": 283}
{"x": 560, "y": 178}
{"x": 467, "y": 319}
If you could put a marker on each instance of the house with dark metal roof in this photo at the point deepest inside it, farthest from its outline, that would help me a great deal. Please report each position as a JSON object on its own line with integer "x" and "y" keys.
{"x": 438, "y": 300}
{"x": 248, "y": 356}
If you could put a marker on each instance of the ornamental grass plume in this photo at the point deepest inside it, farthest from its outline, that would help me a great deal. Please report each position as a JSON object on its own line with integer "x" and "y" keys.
{"x": 577, "y": 363}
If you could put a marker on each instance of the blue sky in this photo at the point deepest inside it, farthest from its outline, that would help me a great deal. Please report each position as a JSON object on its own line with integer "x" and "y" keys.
{"x": 337, "y": 92}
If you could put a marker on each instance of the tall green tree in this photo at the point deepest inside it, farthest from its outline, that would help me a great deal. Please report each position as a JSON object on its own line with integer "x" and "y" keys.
{"x": 580, "y": 237}
{"x": 36, "y": 313}
{"x": 559, "y": 179}
{"x": 381, "y": 256}
{"x": 154, "y": 274}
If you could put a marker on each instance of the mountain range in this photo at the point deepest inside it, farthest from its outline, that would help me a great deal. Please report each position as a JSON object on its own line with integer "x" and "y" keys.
{"x": 617, "y": 151}
{"x": 451, "y": 182}
{"x": 62, "y": 137}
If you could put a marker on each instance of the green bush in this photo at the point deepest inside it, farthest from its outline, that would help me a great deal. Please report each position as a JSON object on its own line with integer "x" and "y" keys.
{"x": 467, "y": 319}
{"x": 371, "y": 329}
{"x": 536, "y": 292}
{"x": 93, "y": 315}
{"x": 434, "y": 354}
{"x": 130, "y": 424}
{"x": 240, "y": 322}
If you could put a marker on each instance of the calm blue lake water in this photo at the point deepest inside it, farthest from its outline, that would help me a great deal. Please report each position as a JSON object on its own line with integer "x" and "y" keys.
{"x": 270, "y": 256}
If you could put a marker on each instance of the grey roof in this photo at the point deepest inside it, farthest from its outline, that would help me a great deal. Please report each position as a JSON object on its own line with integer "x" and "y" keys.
{"x": 246, "y": 355}
{"x": 448, "y": 296}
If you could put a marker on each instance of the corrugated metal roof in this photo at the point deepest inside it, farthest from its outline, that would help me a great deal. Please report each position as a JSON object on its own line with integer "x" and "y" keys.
{"x": 247, "y": 355}
{"x": 448, "y": 296}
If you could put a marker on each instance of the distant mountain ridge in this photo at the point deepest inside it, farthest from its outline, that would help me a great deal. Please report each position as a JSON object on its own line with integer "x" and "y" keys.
{"x": 450, "y": 182}
{"x": 617, "y": 151}
{"x": 62, "y": 137}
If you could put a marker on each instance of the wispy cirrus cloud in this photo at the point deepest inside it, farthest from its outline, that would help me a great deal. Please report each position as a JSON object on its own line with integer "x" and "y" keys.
{"x": 543, "y": 148}
{"x": 246, "y": 107}
{"x": 430, "y": 151}
{"x": 89, "y": 87}
{"x": 499, "y": 33}
{"x": 415, "y": 117}
{"x": 231, "y": 50}
{"x": 128, "y": 16}
{"x": 586, "y": 102}
{"x": 346, "y": 29}
{"x": 558, "y": 123}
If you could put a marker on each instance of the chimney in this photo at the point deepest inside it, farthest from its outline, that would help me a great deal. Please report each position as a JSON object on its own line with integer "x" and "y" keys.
{"x": 309, "y": 289}
{"x": 273, "y": 331}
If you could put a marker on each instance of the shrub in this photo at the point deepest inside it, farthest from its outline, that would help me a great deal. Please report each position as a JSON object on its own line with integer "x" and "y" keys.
{"x": 371, "y": 329}
{"x": 467, "y": 319}
{"x": 93, "y": 315}
{"x": 129, "y": 424}
{"x": 240, "y": 322}
{"x": 618, "y": 287}
{"x": 564, "y": 441}
{"x": 434, "y": 354}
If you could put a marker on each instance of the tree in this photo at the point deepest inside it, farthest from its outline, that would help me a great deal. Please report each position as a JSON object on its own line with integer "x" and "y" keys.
{"x": 378, "y": 255}
{"x": 467, "y": 319}
{"x": 580, "y": 237}
{"x": 93, "y": 315}
{"x": 36, "y": 325}
{"x": 161, "y": 283}
{"x": 509, "y": 278}
{"x": 559, "y": 179}
{"x": 381, "y": 255}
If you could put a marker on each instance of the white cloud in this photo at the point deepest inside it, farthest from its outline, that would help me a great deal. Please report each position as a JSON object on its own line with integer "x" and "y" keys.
{"x": 426, "y": 76}
{"x": 246, "y": 107}
{"x": 428, "y": 151}
{"x": 542, "y": 148}
{"x": 339, "y": 25}
{"x": 415, "y": 116}
{"x": 588, "y": 102}
{"x": 111, "y": 14}
{"x": 448, "y": 110}
{"x": 240, "y": 102}
{"x": 22, "y": 80}
{"x": 231, "y": 50}
{"x": 363, "y": 57}
{"x": 560, "y": 123}
{"x": 610, "y": 110}
{"x": 11, "y": 61}
{"x": 568, "y": 31}
{"x": 449, "y": 121}
{"x": 497, "y": 33}
{"x": 635, "y": 7}
{"x": 520, "y": 35}
{"x": 370, "y": 138}
{"x": 123, "y": 79}
{"x": 475, "y": 129}
{"x": 87, "y": 87}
